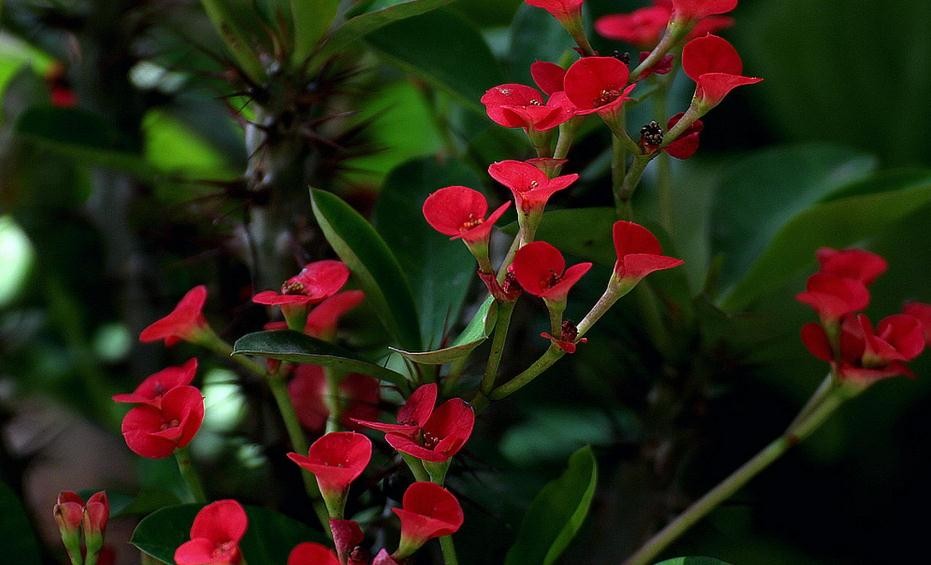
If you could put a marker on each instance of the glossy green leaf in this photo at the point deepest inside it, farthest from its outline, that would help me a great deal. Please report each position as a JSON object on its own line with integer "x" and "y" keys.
{"x": 476, "y": 332}
{"x": 837, "y": 223}
{"x": 438, "y": 269}
{"x": 445, "y": 50}
{"x": 311, "y": 20}
{"x": 373, "y": 264}
{"x": 693, "y": 561}
{"x": 583, "y": 232}
{"x": 286, "y": 345}
{"x": 268, "y": 540}
{"x": 382, "y": 14}
{"x": 227, "y": 17}
{"x": 556, "y": 513}
{"x": 19, "y": 541}
{"x": 761, "y": 192}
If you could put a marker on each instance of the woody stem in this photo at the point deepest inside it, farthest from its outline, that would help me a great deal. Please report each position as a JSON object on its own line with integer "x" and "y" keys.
{"x": 189, "y": 474}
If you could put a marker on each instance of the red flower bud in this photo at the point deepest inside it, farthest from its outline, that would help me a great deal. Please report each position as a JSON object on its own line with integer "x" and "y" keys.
{"x": 360, "y": 395}
{"x": 531, "y": 187}
{"x": 69, "y": 511}
{"x": 96, "y": 515}
{"x": 151, "y": 390}
{"x": 336, "y": 459}
{"x": 638, "y": 251}
{"x": 215, "y": 535}
{"x": 310, "y": 553}
{"x": 427, "y": 511}
{"x": 856, "y": 264}
{"x": 541, "y": 270}
{"x": 155, "y": 432}
{"x": 832, "y": 296}
{"x": 459, "y": 212}
{"x": 548, "y": 76}
{"x": 323, "y": 319}
{"x": 184, "y": 323}
{"x": 716, "y": 68}
{"x": 598, "y": 84}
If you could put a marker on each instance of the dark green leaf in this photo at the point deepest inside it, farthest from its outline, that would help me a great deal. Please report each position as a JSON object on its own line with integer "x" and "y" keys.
{"x": 373, "y": 264}
{"x": 311, "y": 19}
{"x": 19, "y": 541}
{"x": 837, "y": 223}
{"x": 445, "y": 50}
{"x": 296, "y": 347}
{"x": 556, "y": 513}
{"x": 268, "y": 540}
{"x": 476, "y": 332}
{"x": 438, "y": 269}
{"x": 535, "y": 36}
{"x": 760, "y": 193}
{"x": 583, "y": 232}
{"x": 380, "y": 15}
{"x": 230, "y": 18}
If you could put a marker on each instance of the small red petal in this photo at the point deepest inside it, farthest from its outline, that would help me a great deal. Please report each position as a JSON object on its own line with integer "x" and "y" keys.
{"x": 310, "y": 553}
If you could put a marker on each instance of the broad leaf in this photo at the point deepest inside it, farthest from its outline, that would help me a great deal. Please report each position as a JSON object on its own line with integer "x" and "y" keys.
{"x": 382, "y": 14}
{"x": 438, "y": 269}
{"x": 476, "y": 332}
{"x": 837, "y": 223}
{"x": 373, "y": 264}
{"x": 311, "y": 19}
{"x": 19, "y": 540}
{"x": 286, "y": 345}
{"x": 268, "y": 540}
{"x": 556, "y": 513}
{"x": 445, "y": 50}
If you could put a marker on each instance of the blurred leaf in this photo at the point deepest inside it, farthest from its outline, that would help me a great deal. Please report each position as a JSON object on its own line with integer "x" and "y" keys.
{"x": 296, "y": 347}
{"x": 268, "y": 540}
{"x": 311, "y": 19}
{"x": 476, "y": 332}
{"x": 228, "y": 18}
{"x": 19, "y": 541}
{"x": 172, "y": 147}
{"x": 381, "y": 14}
{"x": 583, "y": 232}
{"x": 445, "y": 50}
{"x": 556, "y": 513}
{"x": 693, "y": 561}
{"x": 438, "y": 269}
{"x": 17, "y": 257}
{"x": 488, "y": 13}
{"x": 760, "y": 193}
{"x": 373, "y": 264}
{"x": 837, "y": 223}
{"x": 535, "y": 36}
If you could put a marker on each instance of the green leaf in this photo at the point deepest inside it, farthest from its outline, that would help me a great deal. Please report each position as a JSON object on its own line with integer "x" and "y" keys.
{"x": 268, "y": 540}
{"x": 837, "y": 223}
{"x": 227, "y": 17}
{"x": 693, "y": 561}
{"x": 286, "y": 345}
{"x": 19, "y": 541}
{"x": 382, "y": 14}
{"x": 445, "y": 50}
{"x": 373, "y": 264}
{"x": 583, "y": 232}
{"x": 438, "y": 269}
{"x": 311, "y": 19}
{"x": 556, "y": 513}
{"x": 535, "y": 36}
{"x": 476, "y": 332}
{"x": 760, "y": 193}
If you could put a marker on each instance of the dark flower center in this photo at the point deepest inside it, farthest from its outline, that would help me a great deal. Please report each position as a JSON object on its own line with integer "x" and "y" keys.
{"x": 429, "y": 440}
{"x": 651, "y": 135}
{"x": 551, "y": 279}
{"x": 569, "y": 331}
{"x": 225, "y": 549}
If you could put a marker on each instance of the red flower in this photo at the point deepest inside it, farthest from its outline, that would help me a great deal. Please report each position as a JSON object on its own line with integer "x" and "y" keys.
{"x": 531, "y": 187}
{"x": 323, "y": 319}
{"x": 641, "y": 28}
{"x": 315, "y": 282}
{"x": 459, "y": 212}
{"x": 548, "y": 76}
{"x": 716, "y": 68}
{"x": 155, "y": 432}
{"x": 359, "y": 393}
{"x": 310, "y": 553}
{"x": 151, "y": 390}
{"x": 336, "y": 459}
{"x": 852, "y": 264}
{"x": 520, "y": 106}
{"x": 215, "y": 535}
{"x": 598, "y": 84}
{"x": 184, "y": 323}
{"x": 69, "y": 511}
{"x": 697, "y": 9}
{"x": 425, "y": 433}
{"x": 562, "y": 10}
{"x": 832, "y": 296}
{"x": 541, "y": 270}
{"x": 687, "y": 143}
{"x": 921, "y": 312}
{"x": 427, "y": 511}
{"x": 638, "y": 251}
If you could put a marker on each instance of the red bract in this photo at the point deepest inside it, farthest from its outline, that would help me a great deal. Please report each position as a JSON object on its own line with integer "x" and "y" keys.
{"x": 96, "y": 516}
{"x": 315, "y": 282}
{"x": 184, "y": 323}
{"x": 359, "y": 394}
{"x": 427, "y": 511}
{"x": 541, "y": 270}
{"x": 638, "y": 251}
{"x": 832, "y": 296}
{"x": 459, "y": 212}
{"x": 151, "y": 390}
{"x": 641, "y": 28}
{"x": 560, "y": 9}
{"x": 336, "y": 459}
{"x": 697, "y": 9}
{"x": 310, "y": 553}
{"x": 323, "y": 319}
{"x": 155, "y": 432}
{"x": 347, "y": 535}
{"x": 852, "y": 264}
{"x": 531, "y": 187}
{"x": 412, "y": 416}
{"x": 716, "y": 68}
{"x": 922, "y": 313}
{"x": 520, "y": 106}
{"x": 548, "y": 76}
{"x": 687, "y": 143}
{"x": 68, "y": 511}
{"x": 598, "y": 84}
{"x": 215, "y": 535}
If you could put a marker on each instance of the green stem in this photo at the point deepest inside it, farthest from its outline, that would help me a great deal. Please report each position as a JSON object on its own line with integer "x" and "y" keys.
{"x": 543, "y": 363}
{"x": 449, "y": 550}
{"x": 675, "y": 32}
{"x": 618, "y": 173}
{"x": 726, "y": 488}
{"x": 416, "y": 467}
{"x": 332, "y": 399}
{"x": 189, "y": 474}
{"x": 515, "y": 245}
{"x": 664, "y": 173}
{"x": 505, "y": 310}
{"x": 630, "y": 182}
{"x": 567, "y": 133}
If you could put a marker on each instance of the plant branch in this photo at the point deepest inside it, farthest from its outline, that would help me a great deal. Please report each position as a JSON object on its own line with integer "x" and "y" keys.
{"x": 505, "y": 310}
{"x": 189, "y": 474}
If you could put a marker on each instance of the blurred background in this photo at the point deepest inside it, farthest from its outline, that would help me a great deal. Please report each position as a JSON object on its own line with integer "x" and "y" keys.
{"x": 135, "y": 163}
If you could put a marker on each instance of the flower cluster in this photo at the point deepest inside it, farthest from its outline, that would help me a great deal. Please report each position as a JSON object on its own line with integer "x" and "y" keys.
{"x": 859, "y": 352}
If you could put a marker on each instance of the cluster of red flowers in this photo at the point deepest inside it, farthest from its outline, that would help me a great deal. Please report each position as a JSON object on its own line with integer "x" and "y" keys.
{"x": 858, "y": 352}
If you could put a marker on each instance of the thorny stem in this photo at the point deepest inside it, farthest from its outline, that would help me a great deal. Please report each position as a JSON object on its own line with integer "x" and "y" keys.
{"x": 505, "y": 309}
{"x": 189, "y": 474}
{"x": 798, "y": 431}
